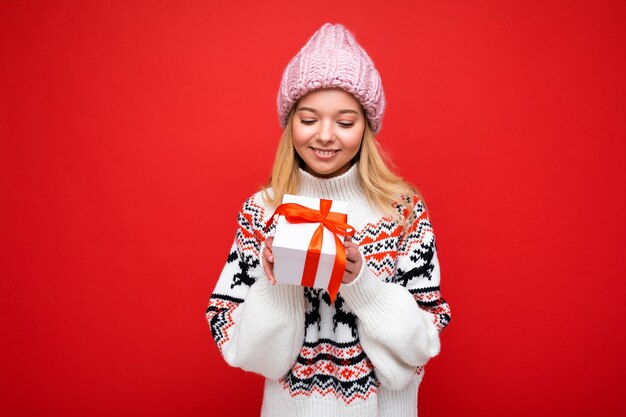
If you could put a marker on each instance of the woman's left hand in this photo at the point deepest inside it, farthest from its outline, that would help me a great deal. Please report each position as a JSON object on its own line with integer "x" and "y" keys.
{"x": 353, "y": 260}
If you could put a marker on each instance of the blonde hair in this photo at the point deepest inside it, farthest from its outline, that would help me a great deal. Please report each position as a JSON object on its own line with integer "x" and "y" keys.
{"x": 383, "y": 188}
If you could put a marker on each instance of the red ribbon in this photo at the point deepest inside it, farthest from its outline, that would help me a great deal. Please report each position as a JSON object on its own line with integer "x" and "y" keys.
{"x": 336, "y": 223}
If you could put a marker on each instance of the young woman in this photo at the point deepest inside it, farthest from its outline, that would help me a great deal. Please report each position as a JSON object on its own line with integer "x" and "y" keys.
{"x": 364, "y": 354}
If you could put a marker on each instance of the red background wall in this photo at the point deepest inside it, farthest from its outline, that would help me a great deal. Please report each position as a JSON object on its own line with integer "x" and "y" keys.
{"x": 131, "y": 132}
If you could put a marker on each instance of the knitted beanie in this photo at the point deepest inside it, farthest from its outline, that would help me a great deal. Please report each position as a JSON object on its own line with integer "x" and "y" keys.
{"x": 332, "y": 58}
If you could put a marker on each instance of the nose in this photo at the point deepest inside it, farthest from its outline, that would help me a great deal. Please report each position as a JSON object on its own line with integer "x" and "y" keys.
{"x": 326, "y": 132}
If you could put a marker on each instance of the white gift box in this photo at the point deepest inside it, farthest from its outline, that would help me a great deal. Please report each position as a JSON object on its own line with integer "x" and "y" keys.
{"x": 291, "y": 242}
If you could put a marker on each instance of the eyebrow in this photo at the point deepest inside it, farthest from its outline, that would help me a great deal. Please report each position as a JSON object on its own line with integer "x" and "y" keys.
{"x": 315, "y": 111}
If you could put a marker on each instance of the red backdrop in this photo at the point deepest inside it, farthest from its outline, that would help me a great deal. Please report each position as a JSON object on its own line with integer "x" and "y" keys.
{"x": 131, "y": 132}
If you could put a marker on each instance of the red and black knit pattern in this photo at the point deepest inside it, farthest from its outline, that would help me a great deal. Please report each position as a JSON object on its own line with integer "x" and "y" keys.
{"x": 250, "y": 230}
{"x": 219, "y": 315}
{"x": 379, "y": 245}
{"x": 328, "y": 368}
{"x": 243, "y": 257}
{"x": 418, "y": 246}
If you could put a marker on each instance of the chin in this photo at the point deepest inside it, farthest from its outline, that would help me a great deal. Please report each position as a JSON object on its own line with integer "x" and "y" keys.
{"x": 326, "y": 172}
{"x": 320, "y": 169}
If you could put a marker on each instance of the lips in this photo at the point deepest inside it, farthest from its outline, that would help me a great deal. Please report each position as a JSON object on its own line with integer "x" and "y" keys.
{"x": 325, "y": 152}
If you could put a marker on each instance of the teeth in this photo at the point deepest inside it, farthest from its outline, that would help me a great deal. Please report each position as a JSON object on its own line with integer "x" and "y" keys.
{"x": 321, "y": 152}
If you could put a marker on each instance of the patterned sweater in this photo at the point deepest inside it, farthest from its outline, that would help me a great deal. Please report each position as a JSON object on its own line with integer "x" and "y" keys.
{"x": 364, "y": 355}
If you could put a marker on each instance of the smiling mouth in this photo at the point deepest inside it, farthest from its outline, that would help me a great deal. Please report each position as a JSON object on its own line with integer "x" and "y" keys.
{"x": 325, "y": 152}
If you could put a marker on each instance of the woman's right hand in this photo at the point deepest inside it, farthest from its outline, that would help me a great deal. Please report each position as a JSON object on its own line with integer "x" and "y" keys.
{"x": 268, "y": 260}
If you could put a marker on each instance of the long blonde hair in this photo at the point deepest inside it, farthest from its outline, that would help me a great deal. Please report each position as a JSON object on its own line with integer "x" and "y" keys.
{"x": 383, "y": 188}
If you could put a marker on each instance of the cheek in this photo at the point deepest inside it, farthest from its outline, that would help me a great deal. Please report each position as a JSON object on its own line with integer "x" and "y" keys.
{"x": 299, "y": 145}
{"x": 302, "y": 133}
{"x": 298, "y": 137}
{"x": 353, "y": 142}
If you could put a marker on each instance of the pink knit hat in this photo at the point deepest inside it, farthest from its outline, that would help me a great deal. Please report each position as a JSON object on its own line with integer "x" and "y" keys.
{"x": 332, "y": 58}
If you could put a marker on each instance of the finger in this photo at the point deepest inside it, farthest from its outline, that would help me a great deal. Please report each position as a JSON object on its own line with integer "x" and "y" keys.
{"x": 268, "y": 243}
{"x": 347, "y": 238}
{"x": 268, "y": 267}
{"x": 350, "y": 254}
{"x": 351, "y": 244}
{"x": 348, "y": 277}
{"x": 269, "y": 257}
{"x": 270, "y": 276}
{"x": 268, "y": 271}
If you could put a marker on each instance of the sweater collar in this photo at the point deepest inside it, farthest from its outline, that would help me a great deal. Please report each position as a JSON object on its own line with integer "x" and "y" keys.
{"x": 346, "y": 187}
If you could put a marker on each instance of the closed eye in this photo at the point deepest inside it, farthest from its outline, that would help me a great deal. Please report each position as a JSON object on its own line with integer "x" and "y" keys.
{"x": 345, "y": 125}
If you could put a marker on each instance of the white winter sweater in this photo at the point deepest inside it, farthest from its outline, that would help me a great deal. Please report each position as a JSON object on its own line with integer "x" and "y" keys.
{"x": 362, "y": 356}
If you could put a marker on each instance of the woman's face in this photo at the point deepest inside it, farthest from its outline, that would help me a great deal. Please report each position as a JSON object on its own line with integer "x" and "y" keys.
{"x": 327, "y": 130}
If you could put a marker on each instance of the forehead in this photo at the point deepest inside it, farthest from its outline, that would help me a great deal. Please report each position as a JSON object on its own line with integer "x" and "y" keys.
{"x": 329, "y": 99}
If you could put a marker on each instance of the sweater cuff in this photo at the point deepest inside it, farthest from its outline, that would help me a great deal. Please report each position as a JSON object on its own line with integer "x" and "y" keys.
{"x": 285, "y": 298}
{"x": 368, "y": 297}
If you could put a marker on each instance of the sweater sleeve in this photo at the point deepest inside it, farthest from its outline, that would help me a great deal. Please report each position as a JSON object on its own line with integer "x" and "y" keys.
{"x": 399, "y": 321}
{"x": 257, "y": 326}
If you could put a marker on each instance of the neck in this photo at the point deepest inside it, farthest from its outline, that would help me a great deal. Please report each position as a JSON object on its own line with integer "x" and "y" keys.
{"x": 345, "y": 187}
